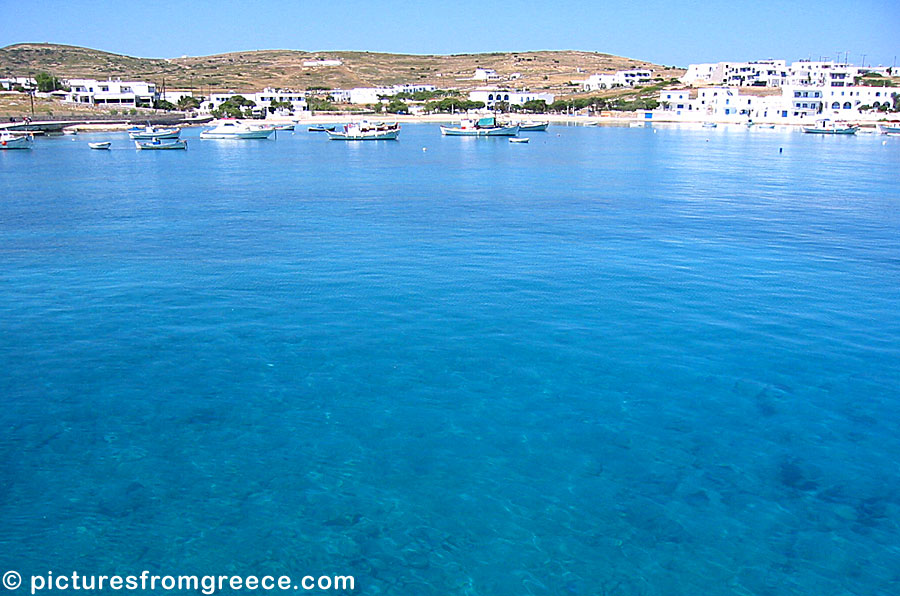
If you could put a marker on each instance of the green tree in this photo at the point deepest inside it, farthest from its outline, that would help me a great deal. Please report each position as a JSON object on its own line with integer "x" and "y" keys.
{"x": 235, "y": 107}
{"x": 187, "y": 102}
{"x": 318, "y": 104}
{"x": 47, "y": 82}
{"x": 278, "y": 105}
{"x": 162, "y": 104}
{"x": 397, "y": 107}
{"x": 535, "y": 106}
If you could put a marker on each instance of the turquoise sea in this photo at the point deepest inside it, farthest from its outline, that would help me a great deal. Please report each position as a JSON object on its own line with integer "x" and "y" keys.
{"x": 613, "y": 361}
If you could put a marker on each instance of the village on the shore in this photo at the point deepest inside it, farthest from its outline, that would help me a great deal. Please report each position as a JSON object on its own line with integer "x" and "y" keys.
{"x": 763, "y": 91}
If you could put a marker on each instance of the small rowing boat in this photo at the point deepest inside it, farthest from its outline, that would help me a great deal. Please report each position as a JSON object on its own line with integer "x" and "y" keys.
{"x": 159, "y": 144}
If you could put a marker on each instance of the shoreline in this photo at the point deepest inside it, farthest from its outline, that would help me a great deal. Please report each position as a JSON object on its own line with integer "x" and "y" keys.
{"x": 626, "y": 119}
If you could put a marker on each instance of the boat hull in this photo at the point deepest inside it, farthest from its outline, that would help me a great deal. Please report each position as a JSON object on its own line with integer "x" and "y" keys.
{"x": 540, "y": 127}
{"x": 16, "y": 142}
{"x": 169, "y": 133}
{"x": 264, "y": 133}
{"x": 104, "y": 145}
{"x": 389, "y": 135}
{"x": 161, "y": 146}
{"x": 499, "y": 131}
{"x": 832, "y": 131}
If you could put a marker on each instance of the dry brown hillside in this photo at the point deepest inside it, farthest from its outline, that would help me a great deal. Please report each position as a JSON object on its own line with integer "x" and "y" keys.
{"x": 251, "y": 71}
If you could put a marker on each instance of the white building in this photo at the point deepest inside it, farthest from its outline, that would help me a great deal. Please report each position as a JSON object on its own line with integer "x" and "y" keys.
{"x": 622, "y": 78}
{"x": 776, "y": 73}
{"x": 115, "y": 93}
{"x": 370, "y": 95}
{"x": 795, "y": 104}
{"x": 491, "y": 97}
{"x": 323, "y": 62}
{"x": 24, "y": 82}
{"x": 175, "y": 96}
{"x": 262, "y": 99}
{"x": 485, "y": 74}
{"x": 760, "y": 73}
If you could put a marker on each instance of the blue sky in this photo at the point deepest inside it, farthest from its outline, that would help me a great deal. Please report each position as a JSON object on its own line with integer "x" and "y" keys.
{"x": 669, "y": 32}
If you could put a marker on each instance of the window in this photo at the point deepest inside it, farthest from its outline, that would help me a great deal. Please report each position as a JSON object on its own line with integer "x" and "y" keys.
{"x": 847, "y": 105}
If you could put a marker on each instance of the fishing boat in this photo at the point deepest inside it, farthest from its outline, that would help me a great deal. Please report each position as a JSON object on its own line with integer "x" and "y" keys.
{"x": 235, "y": 129}
{"x": 830, "y": 127}
{"x": 10, "y": 140}
{"x": 366, "y": 131}
{"x": 162, "y": 144}
{"x": 891, "y": 128}
{"x": 321, "y": 128}
{"x": 100, "y": 145}
{"x": 533, "y": 126}
{"x": 519, "y": 140}
{"x": 709, "y": 125}
{"x": 148, "y": 133}
{"x": 483, "y": 127}
{"x": 283, "y": 127}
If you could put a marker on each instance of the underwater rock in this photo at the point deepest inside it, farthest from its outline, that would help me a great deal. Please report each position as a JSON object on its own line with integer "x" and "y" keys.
{"x": 343, "y": 521}
{"x": 123, "y": 500}
{"x": 791, "y": 475}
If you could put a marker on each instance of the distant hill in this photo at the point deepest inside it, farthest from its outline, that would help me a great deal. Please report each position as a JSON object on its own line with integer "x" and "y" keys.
{"x": 251, "y": 71}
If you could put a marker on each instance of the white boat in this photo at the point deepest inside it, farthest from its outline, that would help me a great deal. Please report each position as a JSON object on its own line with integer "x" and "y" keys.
{"x": 283, "y": 127}
{"x": 889, "y": 129}
{"x": 533, "y": 126}
{"x": 519, "y": 140}
{"x": 235, "y": 129}
{"x": 830, "y": 127}
{"x": 366, "y": 131}
{"x": 483, "y": 127}
{"x": 10, "y": 140}
{"x": 101, "y": 145}
{"x": 162, "y": 144}
{"x": 148, "y": 133}
{"x": 709, "y": 125}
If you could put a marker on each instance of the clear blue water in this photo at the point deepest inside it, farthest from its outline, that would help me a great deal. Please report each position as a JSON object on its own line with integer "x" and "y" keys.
{"x": 611, "y": 361}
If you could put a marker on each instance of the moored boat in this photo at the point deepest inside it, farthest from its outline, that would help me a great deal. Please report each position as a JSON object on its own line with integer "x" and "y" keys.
{"x": 366, "y": 131}
{"x": 100, "y": 145}
{"x": 709, "y": 125}
{"x": 10, "y": 140}
{"x": 483, "y": 127}
{"x": 162, "y": 144}
{"x": 533, "y": 126}
{"x": 235, "y": 129}
{"x": 321, "y": 128}
{"x": 519, "y": 139}
{"x": 891, "y": 128}
{"x": 830, "y": 127}
{"x": 148, "y": 133}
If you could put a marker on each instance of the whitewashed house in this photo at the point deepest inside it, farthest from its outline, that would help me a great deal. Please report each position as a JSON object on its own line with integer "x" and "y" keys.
{"x": 24, "y": 82}
{"x": 262, "y": 99}
{"x": 622, "y": 78}
{"x": 491, "y": 97}
{"x": 371, "y": 95}
{"x": 111, "y": 93}
{"x": 795, "y": 104}
{"x": 485, "y": 74}
{"x": 776, "y": 73}
{"x": 321, "y": 62}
